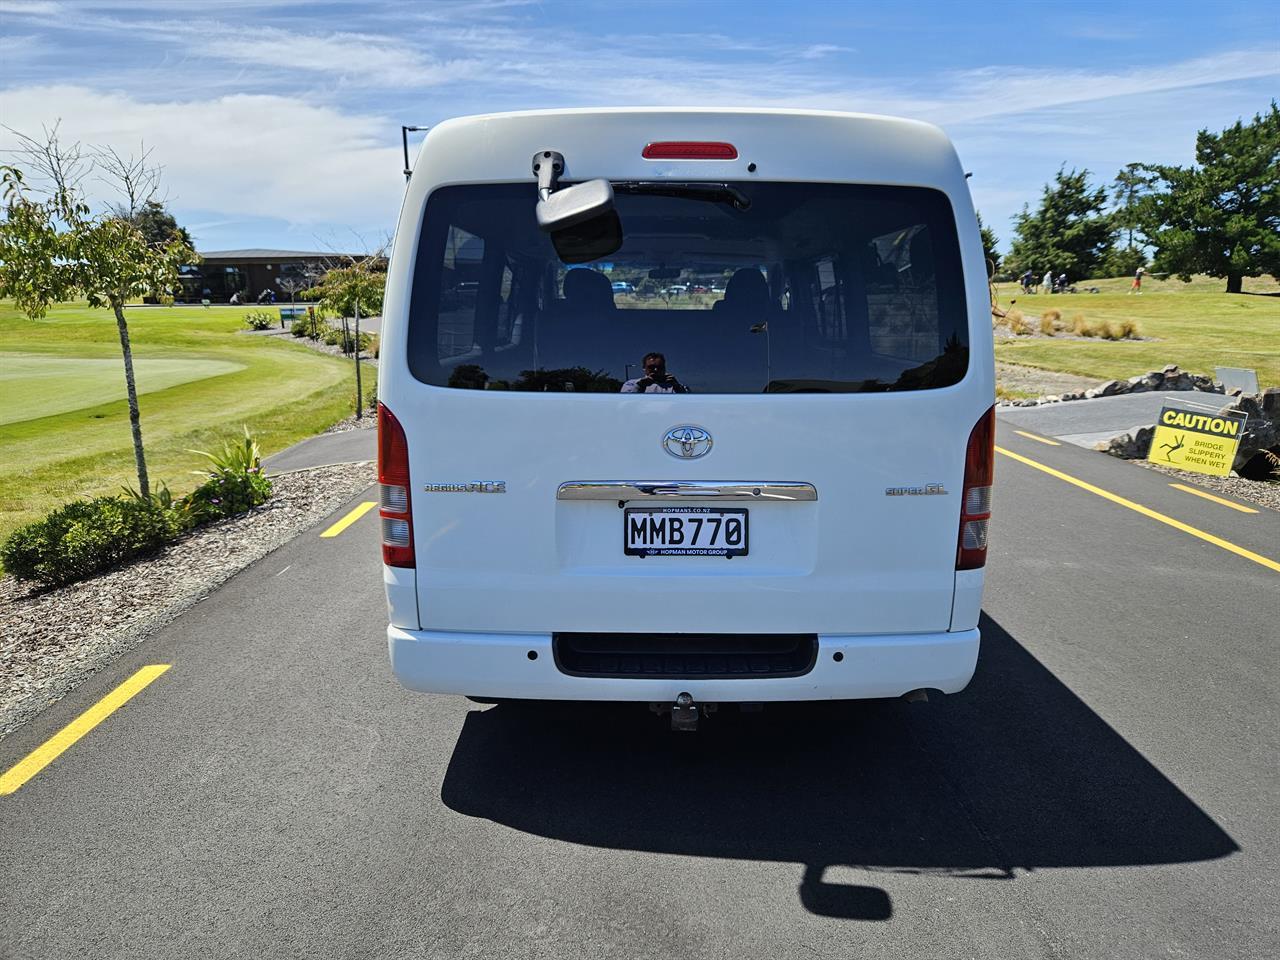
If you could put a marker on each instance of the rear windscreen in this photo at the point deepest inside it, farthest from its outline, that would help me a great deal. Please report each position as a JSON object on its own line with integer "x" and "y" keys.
{"x": 812, "y": 288}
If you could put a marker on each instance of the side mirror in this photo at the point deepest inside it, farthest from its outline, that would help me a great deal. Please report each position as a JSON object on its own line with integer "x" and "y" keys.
{"x": 581, "y": 219}
{"x": 571, "y": 206}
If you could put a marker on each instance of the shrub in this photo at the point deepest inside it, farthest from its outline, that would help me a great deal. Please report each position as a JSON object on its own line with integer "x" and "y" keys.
{"x": 301, "y": 327}
{"x": 259, "y": 320}
{"x": 1081, "y": 326}
{"x": 370, "y": 398}
{"x": 235, "y": 485}
{"x": 346, "y": 341}
{"x": 331, "y": 335}
{"x": 227, "y": 495}
{"x": 1017, "y": 323}
{"x": 84, "y": 537}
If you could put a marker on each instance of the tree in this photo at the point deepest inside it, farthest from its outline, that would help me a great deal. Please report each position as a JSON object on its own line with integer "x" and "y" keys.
{"x": 53, "y": 248}
{"x": 348, "y": 290}
{"x": 1127, "y": 189}
{"x": 989, "y": 243}
{"x": 158, "y": 225}
{"x": 1069, "y": 233}
{"x": 1221, "y": 217}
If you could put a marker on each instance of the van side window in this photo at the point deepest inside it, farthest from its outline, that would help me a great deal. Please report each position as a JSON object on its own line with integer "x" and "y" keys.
{"x": 459, "y": 293}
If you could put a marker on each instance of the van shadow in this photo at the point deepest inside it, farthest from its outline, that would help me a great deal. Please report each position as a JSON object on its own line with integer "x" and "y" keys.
{"x": 1014, "y": 773}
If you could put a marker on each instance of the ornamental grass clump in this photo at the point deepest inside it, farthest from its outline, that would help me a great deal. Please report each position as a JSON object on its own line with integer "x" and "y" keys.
{"x": 235, "y": 485}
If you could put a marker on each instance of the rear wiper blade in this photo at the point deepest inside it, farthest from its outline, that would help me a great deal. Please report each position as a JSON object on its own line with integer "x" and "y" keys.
{"x": 710, "y": 192}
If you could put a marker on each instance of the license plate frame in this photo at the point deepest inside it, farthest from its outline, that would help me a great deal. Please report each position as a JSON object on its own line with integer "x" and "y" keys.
{"x": 683, "y": 548}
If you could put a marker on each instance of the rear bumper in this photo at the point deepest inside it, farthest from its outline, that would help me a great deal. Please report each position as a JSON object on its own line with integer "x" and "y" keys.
{"x": 500, "y": 666}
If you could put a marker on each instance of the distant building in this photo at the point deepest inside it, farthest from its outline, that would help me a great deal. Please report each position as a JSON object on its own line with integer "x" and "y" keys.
{"x": 249, "y": 272}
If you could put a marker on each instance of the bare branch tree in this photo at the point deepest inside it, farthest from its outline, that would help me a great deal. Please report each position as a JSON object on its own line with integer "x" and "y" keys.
{"x": 61, "y": 167}
{"x": 133, "y": 176}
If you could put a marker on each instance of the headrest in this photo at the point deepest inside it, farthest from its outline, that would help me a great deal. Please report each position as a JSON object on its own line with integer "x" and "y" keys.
{"x": 588, "y": 288}
{"x": 747, "y": 288}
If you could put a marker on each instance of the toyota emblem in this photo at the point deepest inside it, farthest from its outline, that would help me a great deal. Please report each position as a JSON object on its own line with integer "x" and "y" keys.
{"x": 687, "y": 442}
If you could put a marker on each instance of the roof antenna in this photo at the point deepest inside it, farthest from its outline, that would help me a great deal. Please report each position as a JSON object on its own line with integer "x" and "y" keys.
{"x": 404, "y": 140}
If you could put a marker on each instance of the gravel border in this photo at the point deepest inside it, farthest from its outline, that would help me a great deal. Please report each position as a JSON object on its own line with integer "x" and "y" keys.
{"x": 53, "y": 640}
{"x": 368, "y": 422}
{"x": 317, "y": 345}
{"x": 1264, "y": 493}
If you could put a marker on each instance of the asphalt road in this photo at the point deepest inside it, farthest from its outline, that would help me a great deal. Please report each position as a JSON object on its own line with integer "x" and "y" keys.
{"x": 1085, "y": 422}
{"x": 1105, "y": 788}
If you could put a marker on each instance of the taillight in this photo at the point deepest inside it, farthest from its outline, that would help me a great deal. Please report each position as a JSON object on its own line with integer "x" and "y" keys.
{"x": 689, "y": 150}
{"x": 395, "y": 504}
{"x": 975, "y": 503}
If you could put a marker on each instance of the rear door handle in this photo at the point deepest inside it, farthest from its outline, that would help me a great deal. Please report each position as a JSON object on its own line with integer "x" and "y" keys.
{"x": 775, "y": 490}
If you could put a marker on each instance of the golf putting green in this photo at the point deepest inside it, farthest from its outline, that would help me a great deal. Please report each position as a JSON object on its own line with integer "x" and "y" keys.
{"x": 36, "y": 386}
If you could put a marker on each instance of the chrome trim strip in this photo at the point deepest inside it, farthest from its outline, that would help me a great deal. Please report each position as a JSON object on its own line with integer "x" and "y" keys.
{"x": 718, "y": 490}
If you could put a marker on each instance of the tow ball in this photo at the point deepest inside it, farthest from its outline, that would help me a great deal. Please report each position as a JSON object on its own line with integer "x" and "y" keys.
{"x": 684, "y": 712}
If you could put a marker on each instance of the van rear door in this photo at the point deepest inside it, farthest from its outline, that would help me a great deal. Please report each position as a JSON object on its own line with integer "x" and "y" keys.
{"x": 800, "y": 471}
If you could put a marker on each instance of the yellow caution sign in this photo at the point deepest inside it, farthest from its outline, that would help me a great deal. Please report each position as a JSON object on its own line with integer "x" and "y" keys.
{"x": 1197, "y": 441}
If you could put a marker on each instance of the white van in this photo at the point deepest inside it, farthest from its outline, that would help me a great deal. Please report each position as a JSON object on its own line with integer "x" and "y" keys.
{"x": 685, "y": 407}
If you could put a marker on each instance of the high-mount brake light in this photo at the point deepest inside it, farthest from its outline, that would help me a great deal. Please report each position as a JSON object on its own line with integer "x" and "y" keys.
{"x": 396, "y": 506}
{"x": 975, "y": 501}
{"x": 689, "y": 150}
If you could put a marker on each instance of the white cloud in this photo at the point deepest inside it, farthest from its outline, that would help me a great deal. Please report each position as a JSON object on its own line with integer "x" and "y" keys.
{"x": 361, "y": 59}
{"x": 30, "y": 8}
{"x": 819, "y": 50}
{"x": 998, "y": 91}
{"x": 240, "y": 155}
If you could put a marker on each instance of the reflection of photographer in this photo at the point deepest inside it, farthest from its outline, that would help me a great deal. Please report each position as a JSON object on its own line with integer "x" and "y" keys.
{"x": 655, "y": 379}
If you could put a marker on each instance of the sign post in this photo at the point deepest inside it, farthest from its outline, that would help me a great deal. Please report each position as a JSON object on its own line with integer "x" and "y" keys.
{"x": 1196, "y": 440}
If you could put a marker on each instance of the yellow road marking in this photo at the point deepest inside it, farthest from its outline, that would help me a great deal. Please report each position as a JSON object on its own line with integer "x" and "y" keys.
{"x": 60, "y": 742}
{"x": 349, "y": 519}
{"x": 1209, "y": 496}
{"x": 1032, "y": 436}
{"x": 1147, "y": 512}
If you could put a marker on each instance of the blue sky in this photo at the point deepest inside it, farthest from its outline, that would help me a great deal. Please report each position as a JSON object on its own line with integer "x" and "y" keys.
{"x": 278, "y": 121}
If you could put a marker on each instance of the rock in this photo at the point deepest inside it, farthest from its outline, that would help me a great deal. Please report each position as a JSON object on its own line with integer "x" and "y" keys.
{"x": 1072, "y": 396}
{"x": 1112, "y": 388}
{"x": 1171, "y": 370}
{"x": 1261, "y": 427}
{"x": 1205, "y": 384}
{"x": 1128, "y": 446}
{"x": 1051, "y": 398}
{"x": 1271, "y": 402}
{"x": 1138, "y": 385}
{"x": 1178, "y": 381}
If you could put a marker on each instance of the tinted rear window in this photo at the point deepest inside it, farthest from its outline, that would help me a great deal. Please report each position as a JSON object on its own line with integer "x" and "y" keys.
{"x": 812, "y": 288}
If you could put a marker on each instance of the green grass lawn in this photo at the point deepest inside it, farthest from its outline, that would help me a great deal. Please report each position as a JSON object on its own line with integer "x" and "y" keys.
{"x": 1194, "y": 325}
{"x": 64, "y": 423}
{"x": 33, "y": 387}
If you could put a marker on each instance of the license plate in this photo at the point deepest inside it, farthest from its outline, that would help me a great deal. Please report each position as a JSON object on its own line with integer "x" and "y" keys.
{"x": 684, "y": 532}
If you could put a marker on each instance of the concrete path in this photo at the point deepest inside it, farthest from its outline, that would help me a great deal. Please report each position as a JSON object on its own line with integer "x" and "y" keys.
{"x": 1086, "y": 422}
{"x": 351, "y": 446}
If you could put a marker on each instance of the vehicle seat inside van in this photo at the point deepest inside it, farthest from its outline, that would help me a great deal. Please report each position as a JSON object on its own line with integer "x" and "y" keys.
{"x": 574, "y": 330}
{"x": 746, "y": 295}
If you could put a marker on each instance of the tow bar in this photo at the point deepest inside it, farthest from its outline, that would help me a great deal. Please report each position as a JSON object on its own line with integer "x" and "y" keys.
{"x": 684, "y": 712}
